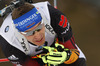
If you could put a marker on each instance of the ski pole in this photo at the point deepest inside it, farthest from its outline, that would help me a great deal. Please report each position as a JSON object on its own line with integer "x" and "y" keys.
{"x": 55, "y": 4}
{"x": 4, "y": 60}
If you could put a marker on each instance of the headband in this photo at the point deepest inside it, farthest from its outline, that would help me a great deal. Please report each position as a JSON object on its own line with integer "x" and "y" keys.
{"x": 28, "y": 20}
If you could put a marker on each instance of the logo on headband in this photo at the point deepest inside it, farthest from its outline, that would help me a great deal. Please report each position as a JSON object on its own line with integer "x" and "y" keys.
{"x": 30, "y": 25}
{"x": 28, "y": 20}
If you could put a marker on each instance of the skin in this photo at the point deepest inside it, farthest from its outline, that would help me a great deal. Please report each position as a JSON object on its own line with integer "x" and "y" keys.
{"x": 38, "y": 38}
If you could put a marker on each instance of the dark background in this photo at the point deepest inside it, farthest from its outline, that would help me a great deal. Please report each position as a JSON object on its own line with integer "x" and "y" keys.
{"x": 84, "y": 17}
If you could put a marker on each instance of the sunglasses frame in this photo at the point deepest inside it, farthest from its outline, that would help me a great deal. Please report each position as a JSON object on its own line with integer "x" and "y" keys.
{"x": 38, "y": 28}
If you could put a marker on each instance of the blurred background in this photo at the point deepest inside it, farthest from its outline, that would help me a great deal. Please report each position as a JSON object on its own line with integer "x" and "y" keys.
{"x": 84, "y": 17}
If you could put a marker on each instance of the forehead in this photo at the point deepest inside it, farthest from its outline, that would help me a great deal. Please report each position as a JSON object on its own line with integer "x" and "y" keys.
{"x": 33, "y": 27}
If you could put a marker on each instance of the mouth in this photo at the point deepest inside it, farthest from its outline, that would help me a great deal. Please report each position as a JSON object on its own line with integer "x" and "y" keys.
{"x": 40, "y": 40}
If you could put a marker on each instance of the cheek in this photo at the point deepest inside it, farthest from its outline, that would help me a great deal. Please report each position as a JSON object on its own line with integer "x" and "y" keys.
{"x": 42, "y": 32}
{"x": 43, "y": 29}
{"x": 29, "y": 38}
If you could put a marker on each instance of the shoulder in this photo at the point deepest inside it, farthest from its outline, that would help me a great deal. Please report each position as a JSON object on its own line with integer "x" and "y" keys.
{"x": 11, "y": 52}
{"x": 7, "y": 48}
{"x": 7, "y": 33}
{"x": 41, "y": 3}
{"x": 6, "y": 29}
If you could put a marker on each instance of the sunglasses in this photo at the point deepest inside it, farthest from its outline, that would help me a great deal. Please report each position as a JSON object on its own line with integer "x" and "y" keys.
{"x": 32, "y": 32}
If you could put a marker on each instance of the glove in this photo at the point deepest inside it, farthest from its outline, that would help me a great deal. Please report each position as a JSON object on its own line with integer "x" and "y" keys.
{"x": 61, "y": 48}
{"x": 54, "y": 57}
{"x": 72, "y": 55}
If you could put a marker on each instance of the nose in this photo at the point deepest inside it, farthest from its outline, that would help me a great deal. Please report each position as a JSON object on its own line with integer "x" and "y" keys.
{"x": 37, "y": 35}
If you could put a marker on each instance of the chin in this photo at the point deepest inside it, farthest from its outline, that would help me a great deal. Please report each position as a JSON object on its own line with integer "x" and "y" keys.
{"x": 40, "y": 43}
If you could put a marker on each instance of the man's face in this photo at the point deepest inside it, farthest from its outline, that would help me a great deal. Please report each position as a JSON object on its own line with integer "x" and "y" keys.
{"x": 38, "y": 37}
